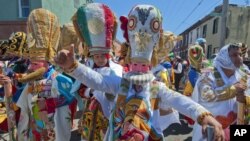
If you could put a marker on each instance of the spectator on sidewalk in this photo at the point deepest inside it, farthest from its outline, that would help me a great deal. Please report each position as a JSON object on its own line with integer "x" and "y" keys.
{"x": 178, "y": 72}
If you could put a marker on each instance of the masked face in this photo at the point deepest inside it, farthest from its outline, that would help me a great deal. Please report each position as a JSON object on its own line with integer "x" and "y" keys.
{"x": 35, "y": 65}
{"x": 195, "y": 54}
{"x": 144, "y": 24}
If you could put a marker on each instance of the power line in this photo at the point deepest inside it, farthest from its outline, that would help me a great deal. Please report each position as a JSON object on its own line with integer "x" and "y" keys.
{"x": 189, "y": 15}
{"x": 178, "y": 9}
{"x": 202, "y": 15}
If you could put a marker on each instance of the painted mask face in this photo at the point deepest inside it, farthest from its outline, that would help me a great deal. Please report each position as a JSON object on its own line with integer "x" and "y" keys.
{"x": 144, "y": 25}
{"x": 35, "y": 65}
{"x": 195, "y": 54}
{"x": 139, "y": 67}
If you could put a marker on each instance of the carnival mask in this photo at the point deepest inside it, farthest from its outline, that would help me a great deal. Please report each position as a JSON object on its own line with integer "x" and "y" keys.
{"x": 195, "y": 54}
{"x": 144, "y": 24}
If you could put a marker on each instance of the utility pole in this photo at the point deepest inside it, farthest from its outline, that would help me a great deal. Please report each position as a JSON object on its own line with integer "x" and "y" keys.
{"x": 223, "y": 22}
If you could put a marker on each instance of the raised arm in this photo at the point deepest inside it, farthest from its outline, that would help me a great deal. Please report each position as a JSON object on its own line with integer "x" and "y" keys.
{"x": 92, "y": 79}
{"x": 95, "y": 80}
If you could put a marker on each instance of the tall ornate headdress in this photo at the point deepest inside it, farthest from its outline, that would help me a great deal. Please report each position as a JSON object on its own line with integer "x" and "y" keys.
{"x": 96, "y": 25}
{"x": 43, "y": 35}
{"x": 142, "y": 31}
{"x": 16, "y": 43}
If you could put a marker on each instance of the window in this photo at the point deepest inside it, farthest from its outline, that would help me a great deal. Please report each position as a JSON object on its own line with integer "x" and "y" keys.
{"x": 209, "y": 50}
{"x": 204, "y": 31}
{"x": 191, "y": 36}
{"x": 24, "y": 8}
{"x": 215, "y": 26}
{"x": 186, "y": 40}
{"x": 197, "y": 32}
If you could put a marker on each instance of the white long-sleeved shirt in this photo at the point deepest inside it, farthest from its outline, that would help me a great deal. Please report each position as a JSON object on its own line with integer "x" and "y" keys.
{"x": 179, "y": 68}
{"x": 112, "y": 84}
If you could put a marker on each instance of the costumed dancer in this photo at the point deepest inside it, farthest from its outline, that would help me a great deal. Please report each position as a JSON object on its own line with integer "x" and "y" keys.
{"x": 136, "y": 113}
{"x": 98, "y": 36}
{"x": 11, "y": 87}
{"x": 195, "y": 55}
{"x": 216, "y": 89}
{"x": 40, "y": 101}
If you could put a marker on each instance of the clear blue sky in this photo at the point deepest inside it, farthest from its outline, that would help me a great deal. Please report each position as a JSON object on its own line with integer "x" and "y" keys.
{"x": 174, "y": 12}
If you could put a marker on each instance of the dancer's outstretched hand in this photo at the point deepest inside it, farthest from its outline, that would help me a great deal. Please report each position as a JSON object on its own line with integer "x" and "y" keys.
{"x": 65, "y": 58}
{"x": 219, "y": 134}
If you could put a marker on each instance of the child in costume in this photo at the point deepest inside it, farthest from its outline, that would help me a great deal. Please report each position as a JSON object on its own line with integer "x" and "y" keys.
{"x": 94, "y": 121}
